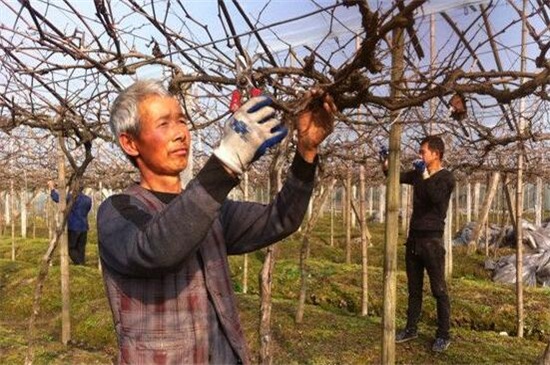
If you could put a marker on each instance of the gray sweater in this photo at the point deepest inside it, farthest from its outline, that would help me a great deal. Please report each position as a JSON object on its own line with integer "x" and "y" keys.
{"x": 166, "y": 269}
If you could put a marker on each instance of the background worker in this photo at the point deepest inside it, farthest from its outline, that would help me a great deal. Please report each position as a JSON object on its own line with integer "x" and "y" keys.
{"x": 432, "y": 188}
{"x": 77, "y": 225}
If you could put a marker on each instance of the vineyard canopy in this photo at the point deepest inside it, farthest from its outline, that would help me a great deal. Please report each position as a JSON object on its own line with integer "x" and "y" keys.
{"x": 63, "y": 62}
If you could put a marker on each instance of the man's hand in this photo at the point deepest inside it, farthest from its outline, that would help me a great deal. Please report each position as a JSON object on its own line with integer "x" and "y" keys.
{"x": 248, "y": 134}
{"x": 420, "y": 166}
{"x": 383, "y": 153}
{"x": 315, "y": 123}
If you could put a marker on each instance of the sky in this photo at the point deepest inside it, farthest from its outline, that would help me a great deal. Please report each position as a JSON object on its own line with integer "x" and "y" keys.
{"x": 310, "y": 30}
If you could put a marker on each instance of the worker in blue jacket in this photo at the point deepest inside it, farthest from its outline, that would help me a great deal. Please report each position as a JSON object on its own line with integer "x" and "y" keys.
{"x": 77, "y": 223}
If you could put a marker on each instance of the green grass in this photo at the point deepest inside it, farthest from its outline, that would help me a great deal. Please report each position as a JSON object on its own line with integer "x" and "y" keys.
{"x": 332, "y": 331}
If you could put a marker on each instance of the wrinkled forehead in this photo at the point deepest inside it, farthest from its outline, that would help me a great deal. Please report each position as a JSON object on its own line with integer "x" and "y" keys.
{"x": 154, "y": 103}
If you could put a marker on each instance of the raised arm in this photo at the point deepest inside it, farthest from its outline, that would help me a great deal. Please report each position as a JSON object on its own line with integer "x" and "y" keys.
{"x": 250, "y": 226}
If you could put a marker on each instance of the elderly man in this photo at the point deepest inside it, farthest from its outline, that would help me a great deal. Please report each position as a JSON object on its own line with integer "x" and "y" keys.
{"x": 164, "y": 250}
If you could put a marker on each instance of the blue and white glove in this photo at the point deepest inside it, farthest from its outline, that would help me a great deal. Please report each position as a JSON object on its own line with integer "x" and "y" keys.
{"x": 420, "y": 166}
{"x": 383, "y": 153}
{"x": 249, "y": 133}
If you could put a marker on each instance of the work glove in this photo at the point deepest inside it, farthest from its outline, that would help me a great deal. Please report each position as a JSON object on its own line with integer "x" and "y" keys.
{"x": 420, "y": 166}
{"x": 383, "y": 153}
{"x": 249, "y": 133}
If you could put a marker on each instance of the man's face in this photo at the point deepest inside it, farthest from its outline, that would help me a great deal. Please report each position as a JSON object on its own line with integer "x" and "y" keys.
{"x": 427, "y": 155}
{"x": 164, "y": 139}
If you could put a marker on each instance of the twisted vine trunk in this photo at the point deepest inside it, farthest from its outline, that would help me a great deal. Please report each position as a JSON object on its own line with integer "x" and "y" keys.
{"x": 64, "y": 250}
{"x": 266, "y": 279}
{"x": 365, "y": 240}
{"x": 318, "y": 202}
{"x": 347, "y": 219}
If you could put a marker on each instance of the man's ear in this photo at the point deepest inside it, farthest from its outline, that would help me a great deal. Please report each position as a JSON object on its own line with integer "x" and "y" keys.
{"x": 128, "y": 144}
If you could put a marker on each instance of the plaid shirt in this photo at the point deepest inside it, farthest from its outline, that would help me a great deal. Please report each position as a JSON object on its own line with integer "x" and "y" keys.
{"x": 166, "y": 270}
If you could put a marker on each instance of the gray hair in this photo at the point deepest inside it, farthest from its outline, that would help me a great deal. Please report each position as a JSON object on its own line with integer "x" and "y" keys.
{"x": 124, "y": 112}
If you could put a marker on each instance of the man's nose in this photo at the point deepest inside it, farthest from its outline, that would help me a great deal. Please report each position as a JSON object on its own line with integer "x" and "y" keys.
{"x": 180, "y": 132}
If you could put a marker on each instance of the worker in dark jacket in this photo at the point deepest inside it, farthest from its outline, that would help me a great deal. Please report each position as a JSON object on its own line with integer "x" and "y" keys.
{"x": 432, "y": 188}
{"x": 164, "y": 250}
{"x": 77, "y": 225}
